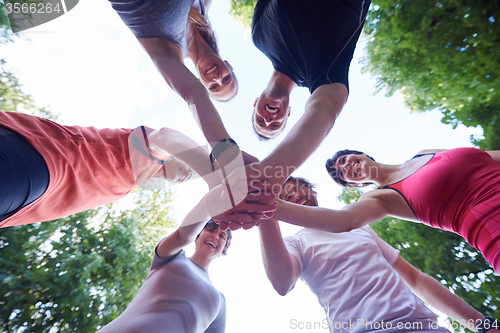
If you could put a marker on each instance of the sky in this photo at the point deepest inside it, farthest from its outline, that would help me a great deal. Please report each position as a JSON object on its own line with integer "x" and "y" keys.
{"x": 89, "y": 68}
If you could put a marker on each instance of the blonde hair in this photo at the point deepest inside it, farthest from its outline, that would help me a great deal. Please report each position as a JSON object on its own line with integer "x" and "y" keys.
{"x": 205, "y": 28}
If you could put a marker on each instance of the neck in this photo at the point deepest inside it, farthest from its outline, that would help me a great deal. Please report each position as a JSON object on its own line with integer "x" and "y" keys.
{"x": 280, "y": 84}
{"x": 385, "y": 174}
{"x": 197, "y": 46}
{"x": 201, "y": 260}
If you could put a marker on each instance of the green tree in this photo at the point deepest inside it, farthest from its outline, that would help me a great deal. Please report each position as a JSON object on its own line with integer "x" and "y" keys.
{"x": 440, "y": 55}
{"x": 4, "y": 19}
{"x": 242, "y": 11}
{"x": 443, "y": 255}
{"x": 78, "y": 273}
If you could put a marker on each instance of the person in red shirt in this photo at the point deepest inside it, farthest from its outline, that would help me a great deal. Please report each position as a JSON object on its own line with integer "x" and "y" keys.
{"x": 49, "y": 171}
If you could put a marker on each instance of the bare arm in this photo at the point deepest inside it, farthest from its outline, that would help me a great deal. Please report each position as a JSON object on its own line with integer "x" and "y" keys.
{"x": 191, "y": 226}
{"x": 169, "y": 141}
{"x": 167, "y": 58}
{"x": 352, "y": 216}
{"x": 321, "y": 111}
{"x": 436, "y": 295}
{"x": 281, "y": 267}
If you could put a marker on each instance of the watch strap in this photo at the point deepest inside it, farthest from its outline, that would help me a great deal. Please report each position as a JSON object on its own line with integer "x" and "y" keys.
{"x": 220, "y": 147}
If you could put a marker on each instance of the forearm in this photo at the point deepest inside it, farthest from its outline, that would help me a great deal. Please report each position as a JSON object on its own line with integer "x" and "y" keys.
{"x": 167, "y": 141}
{"x": 205, "y": 114}
{"x": 168, "y": 61}
{"x": 191, "y": 226}
{"x": 317, "y": 218}
{"x": 302, "y": 140}
{"x": 439, "y": 297}
{"x": 276, "y": 259}
{"x": 321, "y": 111}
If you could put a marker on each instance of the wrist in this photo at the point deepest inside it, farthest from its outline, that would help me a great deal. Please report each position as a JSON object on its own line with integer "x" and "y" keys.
{"x": 229, "y": 155}
{"x": 212, "y": 180}
{"x": 220, "y": 147}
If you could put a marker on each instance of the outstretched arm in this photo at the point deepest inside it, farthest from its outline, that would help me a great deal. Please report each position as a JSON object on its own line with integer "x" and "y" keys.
{"x": 167, "y": 141}
{"x": 436, "y": 295}
{"x": 352, "y": 216}
{"x": 213, "y": 204}
{"x": 167, "y": 58}
{"x": 191, "y": 226}
{"x": 281, "y": 267}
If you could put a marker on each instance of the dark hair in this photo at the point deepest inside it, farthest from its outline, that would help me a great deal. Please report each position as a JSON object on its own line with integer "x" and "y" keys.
{"x": 265, "y": 138}
{"x": 303, "y": 181}
{"x": 333, "y": 172}
{"x": 211, "y": 225}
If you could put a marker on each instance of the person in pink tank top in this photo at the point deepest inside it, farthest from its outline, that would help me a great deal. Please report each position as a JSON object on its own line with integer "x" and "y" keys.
{"x": 457, "y": 190}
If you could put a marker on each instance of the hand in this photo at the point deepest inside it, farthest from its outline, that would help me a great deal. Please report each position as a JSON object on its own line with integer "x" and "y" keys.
{"x": 259, "y": 172}
{"x": 232, "y": 202}
{"x": 235, "y": 220}
{"x": 248, "y": 159}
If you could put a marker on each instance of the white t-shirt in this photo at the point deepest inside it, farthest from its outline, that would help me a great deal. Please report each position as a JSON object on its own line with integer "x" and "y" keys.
{"x": 352, "y": 277}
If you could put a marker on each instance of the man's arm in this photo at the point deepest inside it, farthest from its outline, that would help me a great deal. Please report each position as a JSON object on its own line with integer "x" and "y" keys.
{"x": 436, "y": 295}
{"x": 281, "y": 267}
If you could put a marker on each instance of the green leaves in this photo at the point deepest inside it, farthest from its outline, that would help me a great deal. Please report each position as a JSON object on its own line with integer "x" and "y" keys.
{"x": 440, "y": 55}
{"x": 78, "y": 273}
{"x": 242, "y": 11}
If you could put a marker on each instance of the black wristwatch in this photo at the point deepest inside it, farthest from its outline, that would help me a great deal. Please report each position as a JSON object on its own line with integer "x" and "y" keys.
{"x": 486, "y": 324}
{"x": 220, "y": 147}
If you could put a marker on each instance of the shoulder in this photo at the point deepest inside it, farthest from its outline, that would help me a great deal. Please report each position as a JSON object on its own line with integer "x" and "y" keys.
{"x": 156, "y": 47}
{"x": 378, "y": 194}
{"x": 161, "y": 261}
{"x": 382, "y": 199}
{"x": 429, "y": 151}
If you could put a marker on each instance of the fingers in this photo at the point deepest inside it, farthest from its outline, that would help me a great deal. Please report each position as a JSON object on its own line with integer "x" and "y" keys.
{"x": 229, "y": 225}
{"x": 257, "y": 207}
{"x": 222, "y": 225}
{"x": 269, "y": 215}
{"x": 237, "y": 221}
{"x": 233, "y": 226}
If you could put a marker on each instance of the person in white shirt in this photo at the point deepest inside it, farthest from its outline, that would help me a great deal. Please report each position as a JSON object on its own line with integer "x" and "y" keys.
{"x": 361, "y": 281}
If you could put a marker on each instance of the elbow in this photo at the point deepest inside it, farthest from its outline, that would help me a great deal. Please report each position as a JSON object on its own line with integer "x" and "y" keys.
{"x": 283, "y": 288}
{"x": 336, "y": 227}
{"x": 282, "y": 291}
{"x": 191, "y": 92}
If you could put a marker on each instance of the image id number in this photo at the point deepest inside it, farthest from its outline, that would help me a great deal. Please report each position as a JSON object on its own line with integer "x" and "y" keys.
{"x": 32, "y": 8}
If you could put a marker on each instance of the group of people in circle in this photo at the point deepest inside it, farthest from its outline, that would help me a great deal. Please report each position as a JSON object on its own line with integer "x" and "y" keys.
{"x": 50, "y": 171}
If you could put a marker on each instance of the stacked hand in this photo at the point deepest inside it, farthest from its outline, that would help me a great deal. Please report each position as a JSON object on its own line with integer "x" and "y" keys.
{"x": 238, "y": 203}
{"x": 240, "y": 196}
